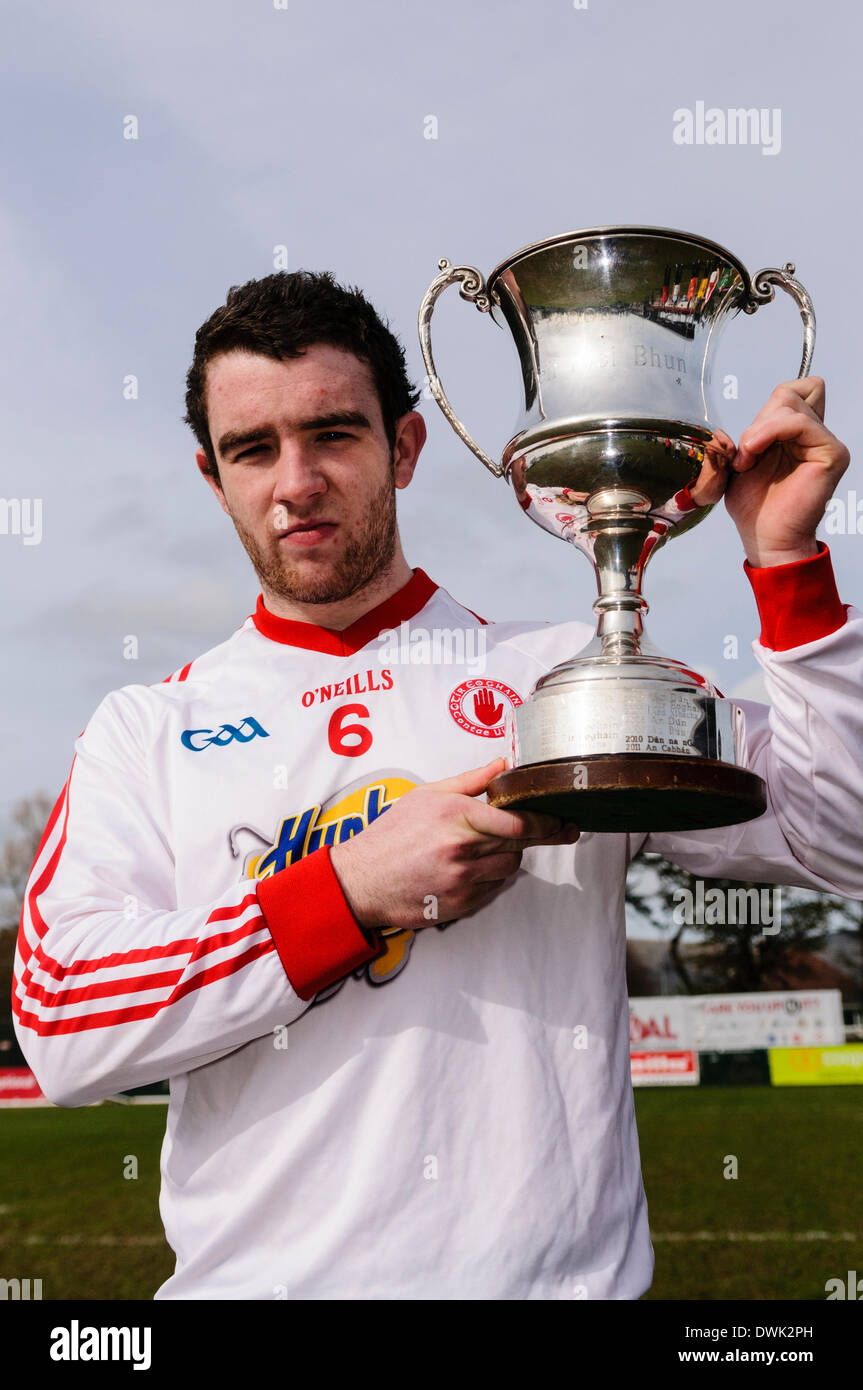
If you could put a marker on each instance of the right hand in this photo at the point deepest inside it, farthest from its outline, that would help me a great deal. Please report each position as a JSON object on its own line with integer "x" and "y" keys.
{"x": 438, "y": 840}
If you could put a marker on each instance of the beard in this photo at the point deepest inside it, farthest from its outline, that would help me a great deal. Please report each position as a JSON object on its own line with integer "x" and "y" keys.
{"x": 369, "y": 549}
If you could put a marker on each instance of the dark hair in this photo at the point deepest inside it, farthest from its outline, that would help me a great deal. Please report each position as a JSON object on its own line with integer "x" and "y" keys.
{"x": 281, "y": 315}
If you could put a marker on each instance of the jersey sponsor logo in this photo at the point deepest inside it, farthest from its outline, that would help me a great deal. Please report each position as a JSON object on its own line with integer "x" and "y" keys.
{"x": 307, "y": 830}
{"x": 356, "y": 684}
{"x": 330, "y": 823}
{"x": 199, "y": 739}
{"x": 481, "y": 706}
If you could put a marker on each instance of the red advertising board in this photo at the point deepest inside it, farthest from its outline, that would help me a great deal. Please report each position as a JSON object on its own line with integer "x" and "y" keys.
{"x": 19, "y": 1083}
{"x": 664, "y": 1068}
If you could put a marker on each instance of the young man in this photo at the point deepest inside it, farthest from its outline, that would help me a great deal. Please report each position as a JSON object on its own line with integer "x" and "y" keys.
{"x": 271, "y": 879}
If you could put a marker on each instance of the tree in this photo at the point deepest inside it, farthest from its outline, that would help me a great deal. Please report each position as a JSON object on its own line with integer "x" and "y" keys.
{"x": 29, "y": 817}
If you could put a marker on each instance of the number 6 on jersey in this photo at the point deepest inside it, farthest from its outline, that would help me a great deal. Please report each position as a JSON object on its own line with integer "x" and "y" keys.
{"x": 350, "y": 740}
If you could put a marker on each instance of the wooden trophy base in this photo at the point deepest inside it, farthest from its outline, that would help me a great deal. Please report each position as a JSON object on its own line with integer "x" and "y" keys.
{"x": 617, "y": 792}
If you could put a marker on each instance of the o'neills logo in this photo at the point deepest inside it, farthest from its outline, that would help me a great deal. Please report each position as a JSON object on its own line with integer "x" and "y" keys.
{"x": 481, "y": 706}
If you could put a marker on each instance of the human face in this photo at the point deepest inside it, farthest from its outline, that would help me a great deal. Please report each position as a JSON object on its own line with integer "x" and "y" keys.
{"x": 307, "y": 473}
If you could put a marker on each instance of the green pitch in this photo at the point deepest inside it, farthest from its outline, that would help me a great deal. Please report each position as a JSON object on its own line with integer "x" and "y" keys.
{"x": 789, "y": 1221}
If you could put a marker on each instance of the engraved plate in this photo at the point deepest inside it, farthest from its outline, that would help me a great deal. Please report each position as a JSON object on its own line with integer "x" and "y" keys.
{"x": 624, "y": 717}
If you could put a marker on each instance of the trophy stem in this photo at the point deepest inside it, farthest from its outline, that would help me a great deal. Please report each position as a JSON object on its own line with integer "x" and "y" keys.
{"x": 618, "y": 526}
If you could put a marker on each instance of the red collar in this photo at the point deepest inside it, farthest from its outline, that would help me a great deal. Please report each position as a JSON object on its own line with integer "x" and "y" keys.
{"x": 403, "y": 605}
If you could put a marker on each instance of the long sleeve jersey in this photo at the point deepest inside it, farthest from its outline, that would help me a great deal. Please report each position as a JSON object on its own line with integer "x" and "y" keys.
{"x": 441, "y": 1113}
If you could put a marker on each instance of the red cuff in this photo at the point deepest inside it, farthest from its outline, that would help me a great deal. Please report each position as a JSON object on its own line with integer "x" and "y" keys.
{"x": 315, "y": 932}
{"x": 798, "y": 602}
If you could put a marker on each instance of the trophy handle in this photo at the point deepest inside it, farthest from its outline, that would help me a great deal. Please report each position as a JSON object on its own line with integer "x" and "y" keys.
{"x": 473, "y": 288}
{"x": 762, "y": 293}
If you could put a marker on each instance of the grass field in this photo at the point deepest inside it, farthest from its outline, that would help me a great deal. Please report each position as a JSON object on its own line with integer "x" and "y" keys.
{"x": 791, "y": 1220}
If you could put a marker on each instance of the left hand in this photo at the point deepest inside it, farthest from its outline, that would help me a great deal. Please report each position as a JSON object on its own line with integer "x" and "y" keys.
{"x": 785, "y": 470}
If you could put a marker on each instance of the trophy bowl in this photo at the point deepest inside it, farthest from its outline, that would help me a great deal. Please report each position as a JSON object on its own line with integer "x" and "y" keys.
{"x": 617, "y": 449}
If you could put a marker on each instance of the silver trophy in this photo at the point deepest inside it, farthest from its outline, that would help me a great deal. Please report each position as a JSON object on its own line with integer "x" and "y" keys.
{"x": 617, "y": 449}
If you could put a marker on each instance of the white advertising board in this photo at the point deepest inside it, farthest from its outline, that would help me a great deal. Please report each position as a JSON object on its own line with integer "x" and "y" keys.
{"x": 736, "y": 1022}
{"x": 792, "y": 1018}
{"x": 659, "y": 1024}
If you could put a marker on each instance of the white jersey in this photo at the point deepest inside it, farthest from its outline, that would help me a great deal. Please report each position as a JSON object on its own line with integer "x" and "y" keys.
{"x": 423, "y": 1121}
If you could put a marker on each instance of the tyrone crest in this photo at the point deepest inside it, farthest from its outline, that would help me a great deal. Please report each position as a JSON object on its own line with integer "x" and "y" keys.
{"x": 481, "y": 706}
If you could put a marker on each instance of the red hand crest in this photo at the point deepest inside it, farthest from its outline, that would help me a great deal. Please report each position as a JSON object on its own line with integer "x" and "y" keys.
{"x": 485, "y": 709}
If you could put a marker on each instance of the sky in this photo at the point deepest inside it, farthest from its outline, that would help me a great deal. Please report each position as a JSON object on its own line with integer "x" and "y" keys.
{"x": 307, "y": 125}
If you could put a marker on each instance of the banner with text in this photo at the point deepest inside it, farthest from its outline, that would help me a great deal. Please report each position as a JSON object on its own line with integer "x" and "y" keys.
{"x": 736, "y": 1022}
{"x": 816, "y": 1066}
{"x": 664, "y": 1068}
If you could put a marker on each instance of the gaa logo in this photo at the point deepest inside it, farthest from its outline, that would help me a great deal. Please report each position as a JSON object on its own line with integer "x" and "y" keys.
{"x": 481, "y": 706}
{"x": 227, "y": 733}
